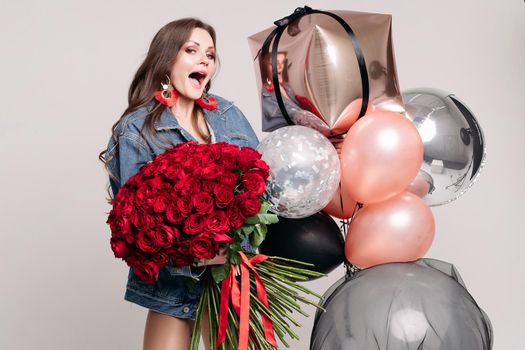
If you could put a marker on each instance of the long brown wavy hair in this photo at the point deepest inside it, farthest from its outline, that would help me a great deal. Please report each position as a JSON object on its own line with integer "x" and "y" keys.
{"x": 159, "y": 60}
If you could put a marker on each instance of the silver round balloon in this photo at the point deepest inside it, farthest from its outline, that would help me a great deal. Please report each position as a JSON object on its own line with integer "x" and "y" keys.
{"x": 453, "y": 140}
{"x": 304, "y": 171}
{"x": 401, "y": 306}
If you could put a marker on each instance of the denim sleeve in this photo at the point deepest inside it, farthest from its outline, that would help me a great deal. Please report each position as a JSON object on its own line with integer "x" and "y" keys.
{"x": 246, "y": 127}
{"x": 134, "y": 153}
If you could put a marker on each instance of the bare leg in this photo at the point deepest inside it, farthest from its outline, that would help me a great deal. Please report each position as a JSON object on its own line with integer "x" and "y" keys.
{"x": 205, "y": 330}
{"x": 163, "y": 332}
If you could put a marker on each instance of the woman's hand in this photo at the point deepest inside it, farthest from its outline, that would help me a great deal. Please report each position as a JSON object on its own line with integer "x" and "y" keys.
{"x": 219, "y": 259}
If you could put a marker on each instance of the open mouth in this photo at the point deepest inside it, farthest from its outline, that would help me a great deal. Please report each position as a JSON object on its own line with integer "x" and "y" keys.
{"x": 197, "y": 78}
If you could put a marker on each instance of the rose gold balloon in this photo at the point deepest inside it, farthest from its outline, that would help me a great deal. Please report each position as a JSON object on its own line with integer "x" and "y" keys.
{"x": 419, "y": 186}
{"x": 399, "y": 229}
{"x": 381, "y": 155}
{"x": 349, "y": 116}
{"x": 341, "y": 211}
{"x": 322, "y": 67}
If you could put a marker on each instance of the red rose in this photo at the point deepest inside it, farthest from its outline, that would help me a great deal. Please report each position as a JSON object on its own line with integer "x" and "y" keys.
{"x": 211, "y": 171}
{"x": 203, "y": 247}
{"x": 119, "y": 224}
{"x": 175, "y": 173}
{"x": 247, "y": 158}
{"x": 249, "y": 204}
{"x": 253, "y": 182}
{"x": 120, "y": 248}
{"x": 229, "y": 154}
{"x": 162, "y": 163}
{"x": 229, "y": 179}
{"x": 125, "y": 205}
{"x": 203, "y": 203}
{"x": 146, "y": 241}
{"x": 217, "y": 222}
{"x": 161, "y": 259}
{"x": 160, "y": 203}
{"x": 223, "y": 195}
{"x": 136, "y": 218}
{"x": 179, "y": 154}
{"x": 156, "y": 183}
{"x": 146, "y": 270}
{"x": 235, "y": 215}
{"x": 204, "y": 157}
{"x": 143, "y": 219}
{"x": 188, "y": 188}
{"x": 165, "y": 236}
{"x": 262, "y": 168}
{"x": 193, "y": 224}
{"x": 184, "y": 206}
{"x": 148, "y": 170}
{"x": 181, "y": 255}
{"x": 208, "y": 186}
{"x": 130, "y": 238}
{"x": 132, "y": 184}
{"x": 145, "y": 191}
{"x": 173, "y": 214}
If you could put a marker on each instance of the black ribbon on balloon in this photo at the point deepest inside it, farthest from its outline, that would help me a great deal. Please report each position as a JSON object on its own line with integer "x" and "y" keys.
{"x": 282, "y": 24}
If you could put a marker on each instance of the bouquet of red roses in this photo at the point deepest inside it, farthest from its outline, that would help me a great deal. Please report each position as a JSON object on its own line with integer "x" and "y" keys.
{"x": 183, "y": 207}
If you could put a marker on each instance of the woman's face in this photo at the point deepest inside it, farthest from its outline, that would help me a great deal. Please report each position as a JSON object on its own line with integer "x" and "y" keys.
{"x": 281, "y": 61}
{"x": 194, "y": 65}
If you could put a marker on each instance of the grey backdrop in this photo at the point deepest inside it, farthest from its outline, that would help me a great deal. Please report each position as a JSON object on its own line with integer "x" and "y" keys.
{"x": 65, "y": 70}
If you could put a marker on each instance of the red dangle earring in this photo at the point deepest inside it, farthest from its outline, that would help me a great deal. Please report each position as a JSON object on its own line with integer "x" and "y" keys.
{"x": 207, "y": 102}
{"x": 167, "y": 96}
{"x": 269, "y": 85}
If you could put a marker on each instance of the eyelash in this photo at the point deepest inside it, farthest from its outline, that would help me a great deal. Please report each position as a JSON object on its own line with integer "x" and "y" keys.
{"x": 191, "y": 50}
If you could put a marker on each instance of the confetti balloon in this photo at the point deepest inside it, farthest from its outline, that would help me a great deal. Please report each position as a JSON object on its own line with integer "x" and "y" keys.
{"x": 304, "y": 171}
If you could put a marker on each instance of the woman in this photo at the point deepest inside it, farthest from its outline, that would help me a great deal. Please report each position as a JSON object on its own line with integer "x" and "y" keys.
{"x": 272, "y": 116}
{"x": 300, "y": 110}
{"x": 169, "y": 104}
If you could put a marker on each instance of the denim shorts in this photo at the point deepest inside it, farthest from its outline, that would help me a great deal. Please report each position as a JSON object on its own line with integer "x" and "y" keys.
{"x": 171, "y": 294}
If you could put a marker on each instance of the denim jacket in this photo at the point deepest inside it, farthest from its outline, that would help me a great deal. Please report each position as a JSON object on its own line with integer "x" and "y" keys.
{"x": 226, "y": 123}
{"x": 272, "y": 117}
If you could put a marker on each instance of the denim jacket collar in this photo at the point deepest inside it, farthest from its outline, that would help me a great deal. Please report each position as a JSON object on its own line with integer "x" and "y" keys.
{"x": 286, "y": 87}
{"x": 167, "y": 120}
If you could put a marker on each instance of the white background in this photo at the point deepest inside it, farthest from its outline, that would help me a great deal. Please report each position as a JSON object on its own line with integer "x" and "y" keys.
{"x": 64, "y": 74}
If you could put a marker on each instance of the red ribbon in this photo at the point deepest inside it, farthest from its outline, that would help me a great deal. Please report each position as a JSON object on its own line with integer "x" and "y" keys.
{"x": 241, "y": 302}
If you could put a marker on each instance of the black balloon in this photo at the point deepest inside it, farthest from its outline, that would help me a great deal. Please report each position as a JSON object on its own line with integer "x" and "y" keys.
{"x": 315, "y": 239}
{"x": 421, "y": 305}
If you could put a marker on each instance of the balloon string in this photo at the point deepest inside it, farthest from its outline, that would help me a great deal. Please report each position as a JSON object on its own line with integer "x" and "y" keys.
{"x": 350, "y": 269}
{"x": 344, "y": 227}
{"x": 356, "y": 209}
{"x": 359, "y": 56}
{"x": 275, "y": 76}
{"x": 341, "y": 200}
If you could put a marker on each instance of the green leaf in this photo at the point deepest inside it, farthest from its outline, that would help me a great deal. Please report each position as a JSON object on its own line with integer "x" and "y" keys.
{"x": 266, "y": 219}
{"x": 219, "y": 272}
{"x": 258, "y": 235}
{"x": 234, "y": 257}
{"x": 264, "y": 207}
{"x": 247, "y": 229}
{"x": 235, "y": 246}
